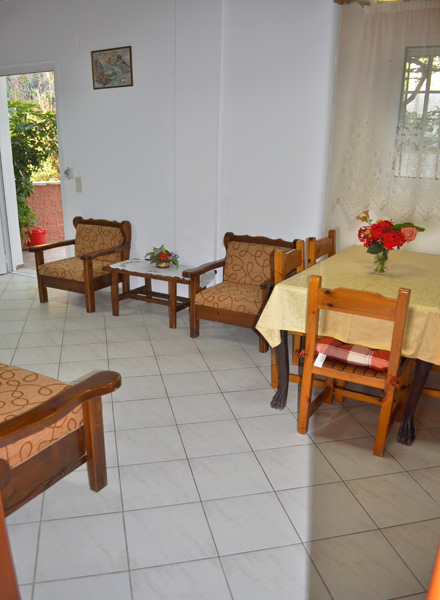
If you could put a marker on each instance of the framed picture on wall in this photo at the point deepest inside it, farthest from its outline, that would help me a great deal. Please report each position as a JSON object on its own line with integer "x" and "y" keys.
{"x": 112, "y": 68}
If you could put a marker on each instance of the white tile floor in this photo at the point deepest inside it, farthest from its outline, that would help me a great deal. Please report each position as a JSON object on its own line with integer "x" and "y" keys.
{"x": 212, "y": 495}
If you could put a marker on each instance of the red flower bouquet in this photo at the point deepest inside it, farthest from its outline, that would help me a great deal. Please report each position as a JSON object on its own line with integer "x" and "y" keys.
{"x": 381, "y": 237}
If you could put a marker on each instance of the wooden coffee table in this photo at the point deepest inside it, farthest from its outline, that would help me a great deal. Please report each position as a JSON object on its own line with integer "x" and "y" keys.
{"x": 143, "y": 268}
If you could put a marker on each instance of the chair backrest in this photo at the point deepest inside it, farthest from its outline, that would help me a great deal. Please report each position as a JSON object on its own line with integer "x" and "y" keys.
{"x": 249, "y": 260}
{"x": 98, "y": 234}
{"x": 318, "y": 248}
{"x": 361, "y": 303}
{"x": 289, "y": 263}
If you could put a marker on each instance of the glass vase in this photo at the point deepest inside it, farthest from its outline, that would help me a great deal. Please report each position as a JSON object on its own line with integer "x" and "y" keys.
{"x": 381, "y": 262}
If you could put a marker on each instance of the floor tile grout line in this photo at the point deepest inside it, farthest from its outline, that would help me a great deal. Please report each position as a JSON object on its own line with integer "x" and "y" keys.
{"x": 118, "y": 465}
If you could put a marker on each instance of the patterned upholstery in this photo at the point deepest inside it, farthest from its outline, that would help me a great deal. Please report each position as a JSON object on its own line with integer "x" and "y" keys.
{"x": 232, "y": 296}
{"x": 73, "y": 268}
{"x": 22, "y": 390}
{"x": 249, "y": 264}
{"x": 91, "y": 238}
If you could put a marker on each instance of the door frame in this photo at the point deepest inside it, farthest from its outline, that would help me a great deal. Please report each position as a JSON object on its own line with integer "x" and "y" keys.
{"x": 10, "y": 200}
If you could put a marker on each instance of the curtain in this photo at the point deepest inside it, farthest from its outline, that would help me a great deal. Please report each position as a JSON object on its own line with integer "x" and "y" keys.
{"x": 366, "y": 131}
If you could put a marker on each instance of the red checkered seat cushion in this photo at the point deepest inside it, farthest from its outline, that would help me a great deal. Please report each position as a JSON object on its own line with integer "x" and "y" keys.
{"x": 354, "y": 354}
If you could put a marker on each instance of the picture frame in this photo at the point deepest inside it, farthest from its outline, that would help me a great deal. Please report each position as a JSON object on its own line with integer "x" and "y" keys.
{"x": 112, "y": 68}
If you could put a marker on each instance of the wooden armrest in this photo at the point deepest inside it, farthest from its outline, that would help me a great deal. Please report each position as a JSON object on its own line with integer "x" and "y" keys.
{"x": 49, "y": 412}
{"x": 51, "y": 245}
{"x": 93, "y": 255}
{"x": 268, "y": 284}
{"x": 191, "y": 273}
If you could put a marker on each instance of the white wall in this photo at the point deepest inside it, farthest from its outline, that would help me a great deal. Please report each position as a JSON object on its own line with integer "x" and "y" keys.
{"x": 278, "y": 93}
{"x": 226, "y": 126}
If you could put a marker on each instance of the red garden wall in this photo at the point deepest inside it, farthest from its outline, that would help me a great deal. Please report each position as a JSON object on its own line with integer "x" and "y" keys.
{"x": 46, "y": 202}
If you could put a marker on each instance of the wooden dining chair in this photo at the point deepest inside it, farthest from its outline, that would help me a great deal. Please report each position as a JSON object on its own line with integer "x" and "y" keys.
{"x": 287, "y": 264}
{"x": 348, "y": 363}
{"x": 319, "y": 248}
{"x": 325, "y": 247}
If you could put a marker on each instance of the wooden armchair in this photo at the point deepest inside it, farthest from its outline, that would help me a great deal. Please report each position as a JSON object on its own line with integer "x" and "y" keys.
{"x": 379, "y": 370}
{"x": 247, "y": 282}
{"x": 47, "y": 429}
{"x": 98, "y": 243}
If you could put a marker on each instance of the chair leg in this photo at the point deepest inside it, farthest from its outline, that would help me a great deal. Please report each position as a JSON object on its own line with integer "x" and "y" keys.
{"x": 274, "y": 378}
{"x": 90, "y": 301}
{"x": 94, "y": 432}
{"x": 42, "y": 289}
{"x": 296, "y": 350}
{"x": 89, "y": 290}
{"x": 338, "y": 394}
{"x": 305, "y": 398}
{"x": 264, "y": 346}
{"x": 8, "y": 578}
{"x": 194, "y": 322}
{"x": 384, "y": 421}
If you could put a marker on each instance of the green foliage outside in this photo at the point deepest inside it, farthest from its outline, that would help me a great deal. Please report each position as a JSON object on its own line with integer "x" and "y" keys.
{"x": 34, "y": 141}
{"x": 32, "y": 118}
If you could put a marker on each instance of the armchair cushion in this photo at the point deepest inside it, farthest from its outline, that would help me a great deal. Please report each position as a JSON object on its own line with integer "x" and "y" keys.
{"x": 249, "y": 263}
{"x": 22, "y": 390}
{"x": 73, "y": 268}
{"x": 91, "y": 238}
{"x": 228, "y": 295}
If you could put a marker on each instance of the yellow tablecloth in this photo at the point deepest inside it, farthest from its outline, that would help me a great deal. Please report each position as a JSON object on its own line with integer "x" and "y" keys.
{"x": 353, "y": 268}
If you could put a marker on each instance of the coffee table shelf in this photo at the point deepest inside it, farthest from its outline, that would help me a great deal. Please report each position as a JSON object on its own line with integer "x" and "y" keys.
{"x": 145, "y": 293}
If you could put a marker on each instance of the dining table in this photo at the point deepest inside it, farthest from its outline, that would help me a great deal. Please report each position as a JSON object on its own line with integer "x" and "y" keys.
{"x": 353, "y": 268}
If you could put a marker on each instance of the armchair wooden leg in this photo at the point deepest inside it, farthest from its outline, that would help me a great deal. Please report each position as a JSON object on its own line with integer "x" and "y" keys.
{"x": 193, "y": 320}
{"x": 90, "y": 301}
{"x": 8, "y": 578}
{"x": 94, "y": 433}
{"x": 88, "y": 286}
{"x": 264, "y": 346}
{"x": 194, "y": 326}
{"x": 42, "y": 289}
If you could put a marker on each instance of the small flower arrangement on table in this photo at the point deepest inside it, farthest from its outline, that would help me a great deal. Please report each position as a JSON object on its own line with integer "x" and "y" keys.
{"x": 162, "y": 258}
{"x": 382, "y": 236}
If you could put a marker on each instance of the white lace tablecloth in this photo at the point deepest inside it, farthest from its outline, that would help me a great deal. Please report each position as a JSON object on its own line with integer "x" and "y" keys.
{"x": 141, "y": 266}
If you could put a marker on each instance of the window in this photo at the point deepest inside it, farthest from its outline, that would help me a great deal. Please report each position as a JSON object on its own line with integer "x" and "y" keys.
{"x": 418, "y": 132}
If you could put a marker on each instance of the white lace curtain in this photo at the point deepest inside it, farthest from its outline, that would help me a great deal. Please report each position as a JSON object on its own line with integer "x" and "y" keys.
{"x": 365, "y": 125}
